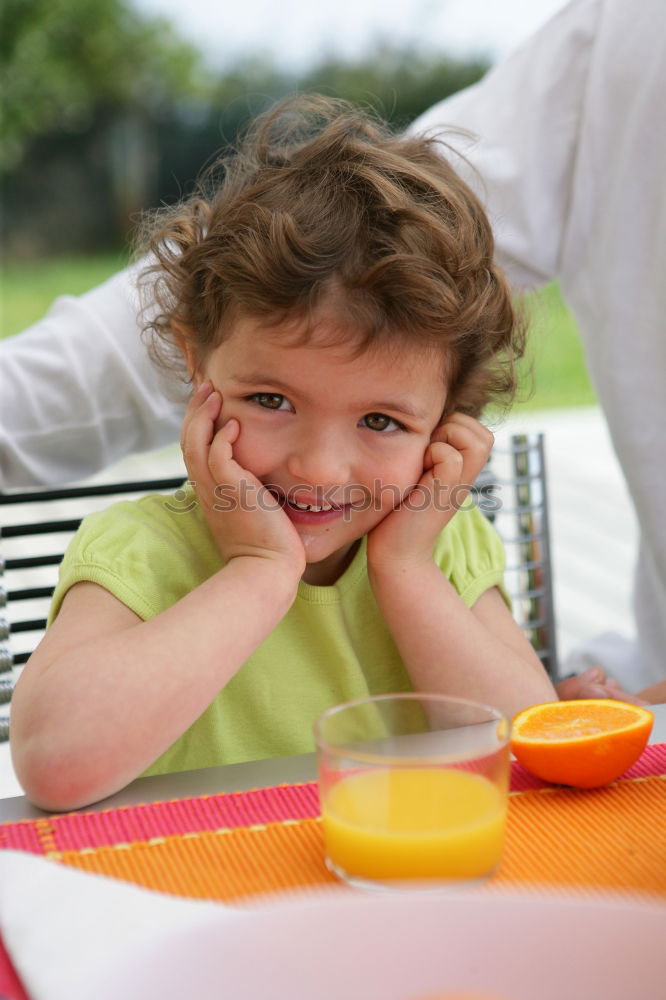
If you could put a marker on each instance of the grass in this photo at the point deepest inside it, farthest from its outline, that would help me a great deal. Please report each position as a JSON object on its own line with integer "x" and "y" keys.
{"x": 555, "y": 354}
{"x": 27, "y": 288}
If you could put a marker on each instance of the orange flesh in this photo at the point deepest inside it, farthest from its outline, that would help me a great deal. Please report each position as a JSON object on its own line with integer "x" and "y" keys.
{"x": 565, "y": 722}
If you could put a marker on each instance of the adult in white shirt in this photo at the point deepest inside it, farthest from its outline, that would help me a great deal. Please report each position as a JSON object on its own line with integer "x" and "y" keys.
{"x": 571, "y": 158}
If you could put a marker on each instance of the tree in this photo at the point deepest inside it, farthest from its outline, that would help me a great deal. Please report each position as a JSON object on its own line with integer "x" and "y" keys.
{"x": 65, "y": 62}
{"x": 108, "y": 112}
{"x": 399, "y": 82}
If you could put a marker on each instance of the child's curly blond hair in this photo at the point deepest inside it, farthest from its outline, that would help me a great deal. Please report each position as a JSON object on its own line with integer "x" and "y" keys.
{"x": 324, "y": 204}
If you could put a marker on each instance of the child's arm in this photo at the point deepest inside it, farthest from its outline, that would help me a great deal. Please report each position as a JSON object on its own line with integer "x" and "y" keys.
{"x": 105, "y": 693}
{"x": 478, "y": 653}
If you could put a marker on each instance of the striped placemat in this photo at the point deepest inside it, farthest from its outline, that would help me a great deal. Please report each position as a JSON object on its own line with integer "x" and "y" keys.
{"x": 232, "y": 846}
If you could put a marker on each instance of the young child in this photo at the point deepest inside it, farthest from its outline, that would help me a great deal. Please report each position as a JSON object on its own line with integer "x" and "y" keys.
{"x": 335, "y": 303}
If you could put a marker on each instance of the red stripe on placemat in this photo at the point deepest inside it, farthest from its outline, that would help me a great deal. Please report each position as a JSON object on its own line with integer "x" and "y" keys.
{"x": 23, "y": 836}
{"x": 76, "y": 831}
{"x": 652, "y": 761}
{"x": 10, "y": 984}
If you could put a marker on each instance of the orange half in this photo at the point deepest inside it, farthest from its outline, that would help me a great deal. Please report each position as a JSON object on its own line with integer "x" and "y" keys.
{"x": 585, "y": 743}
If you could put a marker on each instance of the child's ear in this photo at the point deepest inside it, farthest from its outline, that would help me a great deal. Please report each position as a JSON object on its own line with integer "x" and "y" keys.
{"x": 182, "y": 338}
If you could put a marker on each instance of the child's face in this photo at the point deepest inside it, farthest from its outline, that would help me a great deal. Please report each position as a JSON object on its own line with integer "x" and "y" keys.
{"x": 326, "y": 430}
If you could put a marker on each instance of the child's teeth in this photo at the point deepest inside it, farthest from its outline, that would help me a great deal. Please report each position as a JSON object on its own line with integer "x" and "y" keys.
{"x": 307, "y": 506}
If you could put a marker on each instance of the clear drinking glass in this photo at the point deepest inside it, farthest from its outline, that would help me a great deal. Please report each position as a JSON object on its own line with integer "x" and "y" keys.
{"x": 413, "y": 790}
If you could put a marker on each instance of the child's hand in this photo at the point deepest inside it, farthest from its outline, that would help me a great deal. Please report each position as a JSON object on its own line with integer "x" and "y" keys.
{"x": 243, "y": 516}
{"x": 458, "y": 450}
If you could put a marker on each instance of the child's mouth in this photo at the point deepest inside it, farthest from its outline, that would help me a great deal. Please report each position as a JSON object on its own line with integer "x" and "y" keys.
{"x": 310, "y": 513}
{"x": 301, "y": 513}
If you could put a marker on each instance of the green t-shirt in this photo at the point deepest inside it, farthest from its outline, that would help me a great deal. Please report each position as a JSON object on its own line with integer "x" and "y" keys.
{"x": 332, "y": 645}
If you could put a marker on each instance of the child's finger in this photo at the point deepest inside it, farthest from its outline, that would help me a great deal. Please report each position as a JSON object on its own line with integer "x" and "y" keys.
{"x": 221, "y": 452}
{"x": 198, "y": 399}
{"x": 199, "y": 396}
{"x": 462, "y": 431}
{"x": 198, "y": 433}
{"x": 445, "y": 462}
{"x": 471, "y": 438}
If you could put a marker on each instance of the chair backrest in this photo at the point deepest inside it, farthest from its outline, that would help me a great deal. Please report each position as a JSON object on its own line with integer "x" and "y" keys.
{"x": 515, "y": 481}
{"x": 511, "y": 492}
{"x": 35, "y": 528}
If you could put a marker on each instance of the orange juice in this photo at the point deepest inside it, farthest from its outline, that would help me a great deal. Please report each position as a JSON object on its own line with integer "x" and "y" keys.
{"x": 414, "y": 823}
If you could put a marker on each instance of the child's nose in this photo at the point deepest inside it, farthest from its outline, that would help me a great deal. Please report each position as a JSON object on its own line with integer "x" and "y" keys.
{"x": 320, "y": 459}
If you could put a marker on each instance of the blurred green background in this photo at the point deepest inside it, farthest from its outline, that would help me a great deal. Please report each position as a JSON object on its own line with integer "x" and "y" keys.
{"x": 108, "y": 112}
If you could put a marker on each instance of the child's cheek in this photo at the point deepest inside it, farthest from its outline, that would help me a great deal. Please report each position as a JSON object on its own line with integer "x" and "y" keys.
{"x": 414, "y": 469}
{"x": 251, "y": 451}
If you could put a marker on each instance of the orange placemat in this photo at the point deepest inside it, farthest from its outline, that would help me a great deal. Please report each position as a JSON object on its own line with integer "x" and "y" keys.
{"x": 606, "y": 838}
{"x": 232, "y": 847}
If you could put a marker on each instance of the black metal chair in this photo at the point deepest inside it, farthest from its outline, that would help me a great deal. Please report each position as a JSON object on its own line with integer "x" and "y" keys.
{"x": 518, "y": 477}
{"x": 30, "y": 553}
{"x": 511, "y": 492}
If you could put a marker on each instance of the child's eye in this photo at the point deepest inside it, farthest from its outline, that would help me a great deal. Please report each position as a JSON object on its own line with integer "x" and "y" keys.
{"x": 270, "y": 400}
{"x": 380, "y": 422}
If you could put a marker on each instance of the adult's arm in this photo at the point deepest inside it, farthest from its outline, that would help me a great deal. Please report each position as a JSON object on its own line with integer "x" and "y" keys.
{"x": 78, "y": 390}
{"x": 522, "y": 122}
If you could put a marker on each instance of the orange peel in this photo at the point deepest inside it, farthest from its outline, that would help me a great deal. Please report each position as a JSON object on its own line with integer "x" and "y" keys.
{"x": 585, "y": 743}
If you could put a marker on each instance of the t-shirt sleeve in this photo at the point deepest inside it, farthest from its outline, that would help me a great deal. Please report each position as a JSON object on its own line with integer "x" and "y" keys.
{"x": 471, "y": 554}
{"x": 140, "y": 552}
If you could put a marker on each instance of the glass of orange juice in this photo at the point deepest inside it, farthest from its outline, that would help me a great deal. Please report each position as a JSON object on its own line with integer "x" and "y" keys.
{"x": 413, "y": 790}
